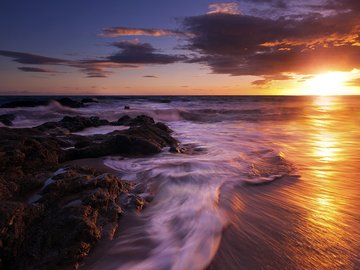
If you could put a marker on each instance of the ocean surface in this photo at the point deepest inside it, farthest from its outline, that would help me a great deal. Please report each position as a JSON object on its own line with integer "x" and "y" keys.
{"x": 269, "y": 183}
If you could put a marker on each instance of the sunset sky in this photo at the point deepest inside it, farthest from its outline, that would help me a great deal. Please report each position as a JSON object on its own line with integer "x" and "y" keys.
{"x": 180, "y": 47}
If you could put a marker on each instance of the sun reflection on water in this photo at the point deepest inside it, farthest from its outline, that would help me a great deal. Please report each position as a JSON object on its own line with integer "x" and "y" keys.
{"x": 327, "y": 240}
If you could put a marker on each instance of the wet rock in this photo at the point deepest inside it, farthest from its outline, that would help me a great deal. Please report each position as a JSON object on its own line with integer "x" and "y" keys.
{"x": 24, "y": 153}
{"x": 68, "y": 220}
{"x": 135, "y": 141}
{"x": 15, "y": 219}
{"x": 7, "y": 119}
{"x": 68, "y": 102}
{"x": 188, "y": 149}
{"x": 141, "y": 120}
{"x": 137, "y": 121}
{"x": 25, "y": 103}
{"x": 69, "y": 215}
{"x": 73, "y": 124}
{"x": 163, "y": 127}
{"x": 126, "y": 107}
{"x": 133, "y": 201}
{"x": 124, "y": 120}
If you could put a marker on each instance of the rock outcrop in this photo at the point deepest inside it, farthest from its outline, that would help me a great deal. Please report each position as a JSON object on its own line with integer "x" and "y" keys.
{"x": 7, "y": 119}
{"x": 50, "y": 219}
{"x": 80, "y": 207}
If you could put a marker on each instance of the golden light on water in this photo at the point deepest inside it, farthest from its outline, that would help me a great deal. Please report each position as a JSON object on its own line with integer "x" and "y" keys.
{"x": 326, "y": 147}
{"x": 326, "y": 240}
{"x": 326, "y": 220}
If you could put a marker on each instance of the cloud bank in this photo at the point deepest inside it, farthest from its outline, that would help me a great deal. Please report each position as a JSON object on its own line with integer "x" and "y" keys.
{"x": 305, "y": 43}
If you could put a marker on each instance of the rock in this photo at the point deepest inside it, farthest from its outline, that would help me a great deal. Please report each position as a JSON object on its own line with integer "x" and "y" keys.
{"x": 15, "y": 219}
{"x": 68, "y": 102}
{"x": 89, "y": 100}
{"x": 135, "y": 141}
{"x": 187, "y": 149}
{"x": 24, "y": 153}
{"x": 7, "y": 119}
{"x": 142, "y": 119}
{"x": 77, "y": 207}
{"x": 73, "y": 124}
{"x": 25, "y": 103}
{"x": 69, "y": 219}
{"x": 124, "y": 120}
{"x": 137, "y": 121}
{"x": 126, "y": 107}
{"x": 163, "y": 127}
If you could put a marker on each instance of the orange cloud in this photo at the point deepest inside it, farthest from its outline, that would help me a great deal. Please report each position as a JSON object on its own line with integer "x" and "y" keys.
{"x": 224, "y": 8}
{"x": 332, "y": 40}
{"x": 126, "y": 31}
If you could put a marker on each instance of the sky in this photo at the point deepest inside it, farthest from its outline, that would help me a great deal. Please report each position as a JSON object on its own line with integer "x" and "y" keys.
{"x": 141, "y": 47}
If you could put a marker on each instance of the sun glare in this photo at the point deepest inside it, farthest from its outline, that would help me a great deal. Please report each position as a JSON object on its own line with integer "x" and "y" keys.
{"x": 331, "y": 83}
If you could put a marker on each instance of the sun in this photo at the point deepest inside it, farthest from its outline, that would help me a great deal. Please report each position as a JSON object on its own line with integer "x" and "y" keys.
{"x": 327, "y": 84}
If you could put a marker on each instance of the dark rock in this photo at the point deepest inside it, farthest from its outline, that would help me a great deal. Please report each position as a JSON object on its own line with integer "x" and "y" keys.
{"x": 24, "y": 153}
{"x": 7, "y": 119}
{"x": 188, "y": 149}
{"x": 15, "y": 219}
{"x": 163, "y": 127}
{"x": 89, "y": 100}
{"x": 124, "y": 120}
{"x": 79, "y": 206}
{"x": 135, "y": 141}
{"x": 68, "y": 102}
{"x": 74, "y": 124}
{"x": 139, "y": 120}
{"x": 142, "y": 119}
{"x": 25, "y": 103}
{"x": 69, "y": 219}
{"x": 126, "y": 107}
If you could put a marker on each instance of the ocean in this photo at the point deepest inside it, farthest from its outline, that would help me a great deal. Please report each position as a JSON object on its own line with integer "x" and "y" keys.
{"x": 269, "y": 182}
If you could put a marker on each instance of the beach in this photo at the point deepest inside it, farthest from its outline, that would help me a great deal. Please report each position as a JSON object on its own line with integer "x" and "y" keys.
{"x": 225, "y": 182}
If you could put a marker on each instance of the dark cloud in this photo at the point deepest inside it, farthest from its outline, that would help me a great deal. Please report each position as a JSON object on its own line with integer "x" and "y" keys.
{"x": 296, "y": 8}
{"x": 99, "y": 68}
{"x": 150, "y": 76}
{"x": 308, "y": 43}
{"x": 32, "y": 59}
{"x": 35, "y": 69}
{"x": 126, "y": 31}
{"x": 267, "y": 80}
{"x": 133, "y": 52}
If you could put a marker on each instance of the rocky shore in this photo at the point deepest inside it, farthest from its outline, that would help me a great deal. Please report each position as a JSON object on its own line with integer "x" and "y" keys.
{"x": 52, "y": 214}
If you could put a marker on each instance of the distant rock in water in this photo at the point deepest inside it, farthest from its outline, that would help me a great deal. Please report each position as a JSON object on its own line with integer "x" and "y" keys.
{"x": 25, "y": 103}
{"x": 7, "y": 119}
{"x": 89, "y": 100}
{"x": 126, "y": 107}
{"x": 124, "y": 120}
{"x": 138, "y": 120}
{"x": 68, "y": 102}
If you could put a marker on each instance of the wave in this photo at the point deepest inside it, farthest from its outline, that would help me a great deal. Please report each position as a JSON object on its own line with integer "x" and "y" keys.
{"x": 185, "y": 221}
